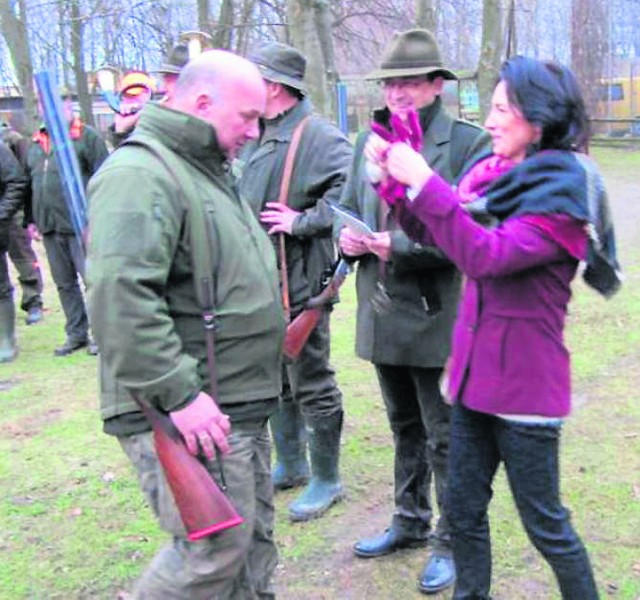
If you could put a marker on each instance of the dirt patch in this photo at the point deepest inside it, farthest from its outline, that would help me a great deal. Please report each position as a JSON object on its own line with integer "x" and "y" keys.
{"x": 31, "y": 425}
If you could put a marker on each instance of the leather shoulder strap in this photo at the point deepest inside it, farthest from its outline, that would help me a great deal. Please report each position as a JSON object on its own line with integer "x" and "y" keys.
{"x": 283, "y": 197}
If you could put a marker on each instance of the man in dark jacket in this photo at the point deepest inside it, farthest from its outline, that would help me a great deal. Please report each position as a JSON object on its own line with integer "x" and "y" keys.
{"x": 51, "y": 217}
{"x": 13, "y": 186}
{"x": 21, "y": 251}
{"x": 147, "y": 262}
{"x": 407, "y": 301}
{"x": 310, "y": 394}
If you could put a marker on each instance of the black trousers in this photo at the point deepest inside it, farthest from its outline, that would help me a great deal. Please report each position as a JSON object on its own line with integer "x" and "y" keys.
{"x": 419, "y": 420}
{"x": 310, "y": 380}
{"x": 530, "y": 454}
{"x": 6, "y": 289}
{"x": 25, "y": 261}
{"x": 66, "y": 262}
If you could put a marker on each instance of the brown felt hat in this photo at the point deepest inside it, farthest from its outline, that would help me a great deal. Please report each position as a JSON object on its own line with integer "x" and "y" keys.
{"x": 410, "y": 53}
{"x": 175, "y": 60}
{"x": 280, "y": 63}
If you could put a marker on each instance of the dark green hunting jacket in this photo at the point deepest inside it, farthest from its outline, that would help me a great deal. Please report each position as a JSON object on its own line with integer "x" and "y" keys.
{"x": 423, "y": 285}
{"x": 141, "y": 288}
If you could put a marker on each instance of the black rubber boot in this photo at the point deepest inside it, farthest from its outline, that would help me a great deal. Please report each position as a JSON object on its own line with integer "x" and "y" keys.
{"x": 289, "y": 437}
{"x": 325, "y": 488}
{"x": 8, "y": 348}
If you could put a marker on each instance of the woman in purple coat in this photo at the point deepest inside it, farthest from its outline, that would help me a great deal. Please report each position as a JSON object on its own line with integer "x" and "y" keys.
{"x": 509, "y": 370}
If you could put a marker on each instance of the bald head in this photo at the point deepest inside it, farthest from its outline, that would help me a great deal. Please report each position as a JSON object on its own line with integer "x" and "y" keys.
{"x": 226, "y": 91}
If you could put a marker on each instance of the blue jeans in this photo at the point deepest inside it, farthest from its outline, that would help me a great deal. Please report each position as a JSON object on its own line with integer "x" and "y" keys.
{"x": 479, "y": 442}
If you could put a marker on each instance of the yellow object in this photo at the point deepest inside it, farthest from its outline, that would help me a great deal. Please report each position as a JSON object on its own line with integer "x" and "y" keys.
{"x": 135, "y": 83}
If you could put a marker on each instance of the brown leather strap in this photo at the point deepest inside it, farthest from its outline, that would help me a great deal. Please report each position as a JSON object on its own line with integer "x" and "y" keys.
{"x": 283, "y": 198}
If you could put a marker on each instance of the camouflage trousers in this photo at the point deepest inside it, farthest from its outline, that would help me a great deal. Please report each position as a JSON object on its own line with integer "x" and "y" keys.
{"x": 238, "y": 563}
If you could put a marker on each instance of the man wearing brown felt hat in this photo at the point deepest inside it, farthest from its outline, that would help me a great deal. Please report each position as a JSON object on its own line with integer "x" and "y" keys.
{"x": 407, "y": 301}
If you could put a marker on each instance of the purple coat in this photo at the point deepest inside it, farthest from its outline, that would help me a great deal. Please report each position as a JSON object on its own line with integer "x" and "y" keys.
{"x": 508, "y": 354}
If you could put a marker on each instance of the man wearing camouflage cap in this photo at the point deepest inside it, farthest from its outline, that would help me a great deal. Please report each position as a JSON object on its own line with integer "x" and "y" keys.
{"x": 311, "y": 403}
{"x": 407, "y": 301}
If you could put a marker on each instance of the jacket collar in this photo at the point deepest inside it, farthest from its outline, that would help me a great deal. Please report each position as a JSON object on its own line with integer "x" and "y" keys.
{"x": 281, "y": 128}
{"x": 189, "y": 137}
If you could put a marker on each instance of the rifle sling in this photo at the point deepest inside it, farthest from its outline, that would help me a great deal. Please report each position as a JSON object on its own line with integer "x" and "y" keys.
{"x": 202, "y": 252}
{"x": 283, "y": 198}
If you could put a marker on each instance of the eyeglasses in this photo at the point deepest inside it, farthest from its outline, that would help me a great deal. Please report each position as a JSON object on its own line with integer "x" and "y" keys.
{"x": 403, "y": 83}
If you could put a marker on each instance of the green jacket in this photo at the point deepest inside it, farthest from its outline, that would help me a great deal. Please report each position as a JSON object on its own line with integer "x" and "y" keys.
{"x": 48, "y": 207}
{"x": 423, "y": 284}
{"x": 141, "y": 291}
{"x": 319, "y": 173}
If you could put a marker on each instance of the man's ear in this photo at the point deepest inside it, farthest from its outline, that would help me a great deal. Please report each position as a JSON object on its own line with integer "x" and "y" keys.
{"x": 537, "y": 130}
{"x": 203, "y": 104}
{"x": 438, "y": 85}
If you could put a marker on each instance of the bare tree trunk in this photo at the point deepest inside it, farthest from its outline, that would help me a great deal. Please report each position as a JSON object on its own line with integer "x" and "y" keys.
{"x": 204, "y": 24}
{"x": 77, "y": 51}
{"x": 224, "y": 29}
{"x": 14, "y": 29}
{"x": 589, "y": 46}
{"x": 426, "y": 16}
{"x": 490, "y": 53}
{"x": 310, "y": 32}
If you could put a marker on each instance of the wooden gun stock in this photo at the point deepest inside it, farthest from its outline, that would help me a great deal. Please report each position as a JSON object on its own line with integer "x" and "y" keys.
{"x": 299, "y": 330}
{"x": 203, "y": 507}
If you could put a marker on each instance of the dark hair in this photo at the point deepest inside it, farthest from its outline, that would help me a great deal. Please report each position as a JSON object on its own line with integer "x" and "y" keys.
{"x": 548, "y": 95}
{"x": 296, "y": 93}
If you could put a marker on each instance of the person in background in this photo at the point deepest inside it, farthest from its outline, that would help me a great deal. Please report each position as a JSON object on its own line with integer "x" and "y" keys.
{"x": 407, "y": 301}
{"x": 311, "y": 403}
{"x": 143, "y": 275}
{"x": 509, "y": 374}
{"x": 20, "y": 251}
{"x": 135, "y": 90}
{"x": 13, "y": 185}
{"x": 51, "y": 217}
{"x": 170, "y": 69}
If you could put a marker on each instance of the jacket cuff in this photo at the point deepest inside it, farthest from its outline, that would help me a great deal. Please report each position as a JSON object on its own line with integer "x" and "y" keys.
{"x": 176, "y": 389}
{"x": 436, "y": 198}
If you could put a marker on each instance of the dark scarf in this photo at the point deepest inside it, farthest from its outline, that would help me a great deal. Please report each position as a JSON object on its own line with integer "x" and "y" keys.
{"x": 425, "y": 114}
{"x": 559, "y": 182}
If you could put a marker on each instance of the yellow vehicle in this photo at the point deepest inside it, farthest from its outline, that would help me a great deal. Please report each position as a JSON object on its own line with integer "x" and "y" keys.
{"x": 618, "y": 98}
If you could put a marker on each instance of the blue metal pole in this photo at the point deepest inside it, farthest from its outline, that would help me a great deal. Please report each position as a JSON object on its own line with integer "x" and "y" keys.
{"x": 341, "y": 95}
{"x": 63, "y": 150}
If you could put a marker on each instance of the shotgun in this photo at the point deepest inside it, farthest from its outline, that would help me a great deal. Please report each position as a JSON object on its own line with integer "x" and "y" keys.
{"x": 203, "y": 507}
{"x": 299, "y": 330}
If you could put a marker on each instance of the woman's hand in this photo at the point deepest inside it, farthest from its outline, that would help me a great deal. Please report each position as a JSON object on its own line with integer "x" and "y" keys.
{"x": 407, "y": 166}
{"x": 375, "y": 151}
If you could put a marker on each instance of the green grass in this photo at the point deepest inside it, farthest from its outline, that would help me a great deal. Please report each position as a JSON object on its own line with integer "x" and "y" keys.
{"x": 73, "y": 523}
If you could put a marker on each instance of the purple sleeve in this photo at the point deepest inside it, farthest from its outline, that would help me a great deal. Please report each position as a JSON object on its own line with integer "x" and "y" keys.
{"x": 516, "y": 245}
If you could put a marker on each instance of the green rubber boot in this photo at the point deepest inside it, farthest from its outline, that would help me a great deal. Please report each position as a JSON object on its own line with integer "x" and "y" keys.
{"x": 8, "y": 348}
{"x": 325, "y": 488}
{"x": 289, "y": 437}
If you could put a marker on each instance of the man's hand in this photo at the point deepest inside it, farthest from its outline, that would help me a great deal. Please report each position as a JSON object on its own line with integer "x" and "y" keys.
{"x": 125, "y": 122}
{"x": 33, "y": 233}
{"x": 380, "y": 245}
{"x": 352, "y": 243}
{"x": 279, "y": 216}
{"x": 202, "y": 422}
